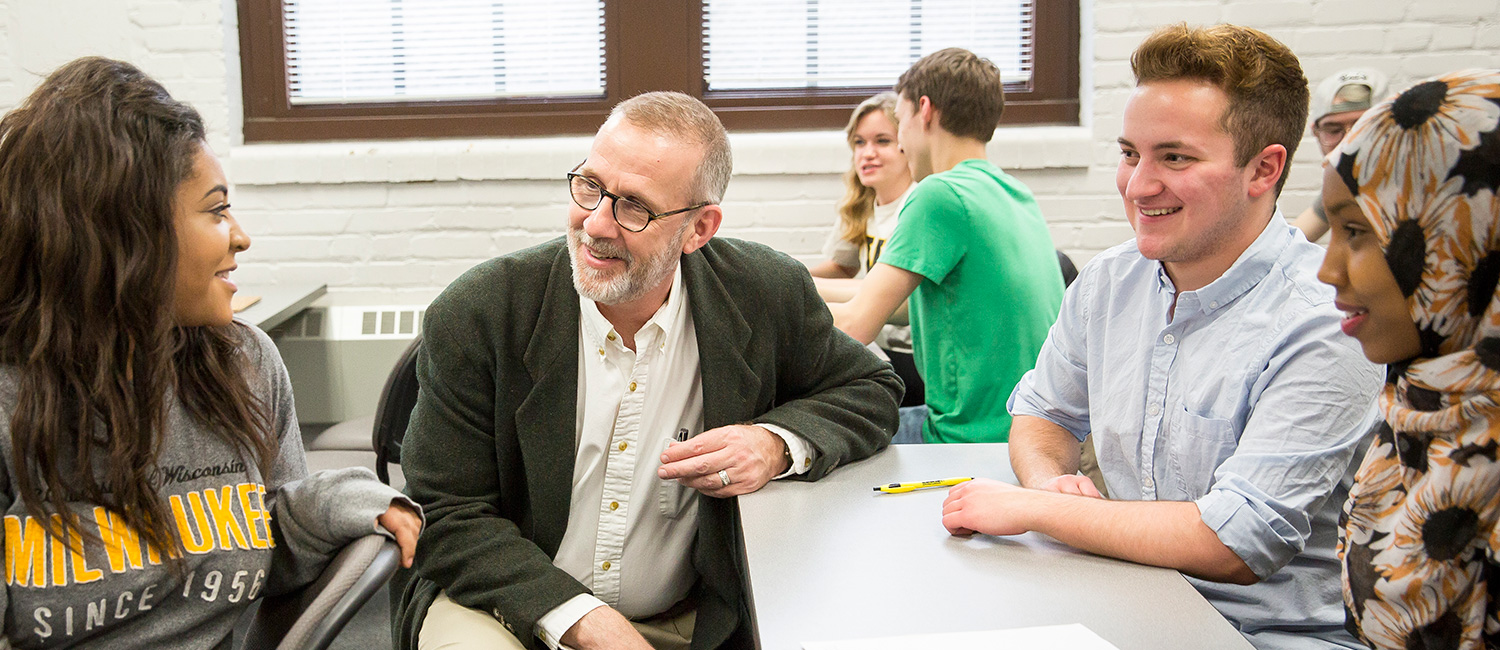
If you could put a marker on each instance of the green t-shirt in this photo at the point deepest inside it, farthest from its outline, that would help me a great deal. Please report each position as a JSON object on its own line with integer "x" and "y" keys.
{"x": 991, "y": 289}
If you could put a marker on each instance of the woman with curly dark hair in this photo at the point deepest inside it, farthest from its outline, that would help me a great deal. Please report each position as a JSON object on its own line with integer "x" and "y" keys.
{"x": 151, "y": 470}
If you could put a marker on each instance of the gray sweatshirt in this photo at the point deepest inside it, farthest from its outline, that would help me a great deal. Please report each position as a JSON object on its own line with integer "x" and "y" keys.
{"x": 246, "y": 535}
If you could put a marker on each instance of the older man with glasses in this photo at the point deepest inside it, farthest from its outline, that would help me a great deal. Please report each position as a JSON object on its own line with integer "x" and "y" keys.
{"x": 590, "y": 408}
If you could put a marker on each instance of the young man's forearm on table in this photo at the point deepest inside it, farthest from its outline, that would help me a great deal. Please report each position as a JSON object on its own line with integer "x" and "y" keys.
{"x": 1160, "y": 533}
{"x": 1040, "y": 450}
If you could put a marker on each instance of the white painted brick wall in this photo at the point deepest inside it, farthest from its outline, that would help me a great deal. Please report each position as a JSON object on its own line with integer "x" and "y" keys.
{"x": 392, "y": 223}
{"x": 182, "y": 44}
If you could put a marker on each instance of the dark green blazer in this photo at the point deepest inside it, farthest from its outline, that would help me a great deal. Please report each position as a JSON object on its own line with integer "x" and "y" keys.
{"x": 489, "y": 453}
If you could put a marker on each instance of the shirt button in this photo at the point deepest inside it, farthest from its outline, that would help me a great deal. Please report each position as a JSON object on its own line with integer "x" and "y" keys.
{"x": 632, "y": 387}
{"x": 1213, "y": 305}
{"x": 613, "y": 505}
{"x": 610, "y": 336}
{"x": 1169, "y": 339}
{"x": 623, "y": 446}
{"x": 605, "y": 565}
{"x": 601, "y": 352}
{"x": 1153, "y": 409}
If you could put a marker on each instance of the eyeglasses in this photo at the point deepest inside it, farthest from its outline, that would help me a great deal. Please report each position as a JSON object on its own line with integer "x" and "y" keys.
{"x": 1331, "y": 133}
{"x": 629, "y": 213}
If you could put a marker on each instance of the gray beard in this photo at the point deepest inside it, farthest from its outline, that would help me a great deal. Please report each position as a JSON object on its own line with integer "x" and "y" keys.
{"x": 642, "y": 274}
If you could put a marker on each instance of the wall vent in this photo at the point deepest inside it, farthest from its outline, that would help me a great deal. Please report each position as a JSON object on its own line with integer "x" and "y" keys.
{"x": 353, "y": 323}
{"x": 339, "y": 357}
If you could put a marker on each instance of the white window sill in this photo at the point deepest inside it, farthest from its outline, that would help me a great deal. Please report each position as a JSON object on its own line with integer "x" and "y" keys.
{"x": 802, "y": 152}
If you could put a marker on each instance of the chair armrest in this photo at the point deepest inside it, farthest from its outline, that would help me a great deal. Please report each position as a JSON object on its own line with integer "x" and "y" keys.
{"x": 310, "y": 618}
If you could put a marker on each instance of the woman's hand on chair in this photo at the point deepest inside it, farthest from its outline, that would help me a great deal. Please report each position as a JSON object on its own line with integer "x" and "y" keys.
{"x": 405, "y": 524}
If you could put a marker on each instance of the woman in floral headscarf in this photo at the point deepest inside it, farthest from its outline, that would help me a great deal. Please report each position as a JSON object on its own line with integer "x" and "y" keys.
{"x": 1411, "y": 195}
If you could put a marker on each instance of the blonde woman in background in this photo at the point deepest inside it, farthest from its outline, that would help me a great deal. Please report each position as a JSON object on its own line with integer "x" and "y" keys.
{"x": 876, "y": 184}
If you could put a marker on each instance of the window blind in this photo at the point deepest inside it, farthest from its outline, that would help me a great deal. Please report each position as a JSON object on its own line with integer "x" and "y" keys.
{"x": 341, "y": 51}
{"x": 761, "y": 44}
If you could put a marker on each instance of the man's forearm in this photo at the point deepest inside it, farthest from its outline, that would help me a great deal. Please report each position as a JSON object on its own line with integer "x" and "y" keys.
{"x": 837, "y": 289}
{"x": 878, "y": 295}
{"x": 1160, "y": 533}
{"x": 901, "y": 316}
{"x": 603, "y": 627}
{"x": 851, "y": 322}
{"x": 1041, "y": 450}
{"x": 831, "y": 269}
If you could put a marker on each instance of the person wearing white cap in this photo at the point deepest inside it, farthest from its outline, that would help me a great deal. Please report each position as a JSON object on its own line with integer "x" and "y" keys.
{"x": 1336, "y": 105}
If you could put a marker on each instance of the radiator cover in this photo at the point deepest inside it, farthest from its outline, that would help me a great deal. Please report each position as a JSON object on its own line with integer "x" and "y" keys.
{"x": 339, "y": 357}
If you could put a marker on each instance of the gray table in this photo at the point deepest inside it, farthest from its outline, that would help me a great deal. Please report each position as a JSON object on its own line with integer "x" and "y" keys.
{"x": 833, "y": 560}
{"x": 279, "y": 303}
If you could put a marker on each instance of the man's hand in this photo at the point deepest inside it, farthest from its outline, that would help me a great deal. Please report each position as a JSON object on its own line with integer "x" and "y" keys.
{"x": 1076, "y": 484}
{"x": 405, "y": 524}
{"x": 750, "y": 456}
{"x": 987, "y": 506}
{"x": 603, "y": 627}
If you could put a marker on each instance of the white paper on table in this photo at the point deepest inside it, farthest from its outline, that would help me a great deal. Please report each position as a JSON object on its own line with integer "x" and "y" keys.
{"x": 1073, "y": 636}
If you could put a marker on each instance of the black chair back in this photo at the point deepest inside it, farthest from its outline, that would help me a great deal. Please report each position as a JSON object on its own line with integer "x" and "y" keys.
{"x": 393, "y": 412}
{"x": 1068, "y": 270}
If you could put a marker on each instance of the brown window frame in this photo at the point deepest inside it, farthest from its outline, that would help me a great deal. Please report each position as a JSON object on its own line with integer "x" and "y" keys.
{"x": 671, "y": 59}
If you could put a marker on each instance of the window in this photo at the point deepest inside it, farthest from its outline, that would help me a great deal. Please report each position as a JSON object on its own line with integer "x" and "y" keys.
{"x": 765, "y": 44}
{"x": 356, "y": 51}
{"x": 363, "y": 69}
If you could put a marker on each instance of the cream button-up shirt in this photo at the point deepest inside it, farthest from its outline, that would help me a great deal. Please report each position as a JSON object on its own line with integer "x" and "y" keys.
{"x": 630, "y": 533}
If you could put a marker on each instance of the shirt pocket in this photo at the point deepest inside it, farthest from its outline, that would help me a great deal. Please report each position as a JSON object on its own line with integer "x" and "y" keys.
{"x": 1200, "y": 444}
{"x": 672, "y": 498}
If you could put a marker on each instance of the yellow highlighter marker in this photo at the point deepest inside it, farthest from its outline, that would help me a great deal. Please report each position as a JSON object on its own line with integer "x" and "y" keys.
{"x": 907, "y": 487}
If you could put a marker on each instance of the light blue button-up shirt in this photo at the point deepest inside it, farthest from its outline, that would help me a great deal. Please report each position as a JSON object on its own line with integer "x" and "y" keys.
{"x": 1246, "y": 400}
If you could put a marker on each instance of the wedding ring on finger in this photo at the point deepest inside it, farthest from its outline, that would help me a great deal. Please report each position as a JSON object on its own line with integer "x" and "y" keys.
{"x": 724, "y": 477}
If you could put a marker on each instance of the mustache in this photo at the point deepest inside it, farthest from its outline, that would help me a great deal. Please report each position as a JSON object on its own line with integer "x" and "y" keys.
{"x": 602, "y": 246}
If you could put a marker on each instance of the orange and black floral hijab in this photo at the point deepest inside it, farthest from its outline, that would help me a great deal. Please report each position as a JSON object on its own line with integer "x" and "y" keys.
{"x": 1425, "y": 168}
{"x": 1419, "y": 533}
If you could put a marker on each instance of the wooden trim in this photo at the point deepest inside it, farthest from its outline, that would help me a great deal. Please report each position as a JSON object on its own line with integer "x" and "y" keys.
{"x": 1055, "y": 75}
{"x": 262, "y": 57}
{"x": 648, "y": 45}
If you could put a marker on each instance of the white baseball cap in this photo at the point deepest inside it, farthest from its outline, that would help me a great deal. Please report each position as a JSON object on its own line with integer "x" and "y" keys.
{"x": 1355, "y": 89}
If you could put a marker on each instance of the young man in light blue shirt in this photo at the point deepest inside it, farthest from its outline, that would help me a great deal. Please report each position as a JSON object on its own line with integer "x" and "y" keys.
{"x": 1204, "y": 357}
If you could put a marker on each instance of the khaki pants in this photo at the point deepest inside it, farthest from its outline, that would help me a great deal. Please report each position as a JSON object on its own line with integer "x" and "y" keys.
{"x": 1088, "y": 465}
{"x": 451, "y": 626}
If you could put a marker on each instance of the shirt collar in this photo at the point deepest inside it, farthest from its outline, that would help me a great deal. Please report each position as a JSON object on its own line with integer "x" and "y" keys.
{"x": 1247, "y": 271}
{"x": 598, "y": 328}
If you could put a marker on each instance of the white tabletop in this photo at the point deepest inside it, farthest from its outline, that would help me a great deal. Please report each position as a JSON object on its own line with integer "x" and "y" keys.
{"x": 279, "y": 303}
{"x": 834, "y": 560}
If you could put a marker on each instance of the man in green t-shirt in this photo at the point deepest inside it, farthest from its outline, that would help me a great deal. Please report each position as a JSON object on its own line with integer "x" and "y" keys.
{"x": 971, "y": 250}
